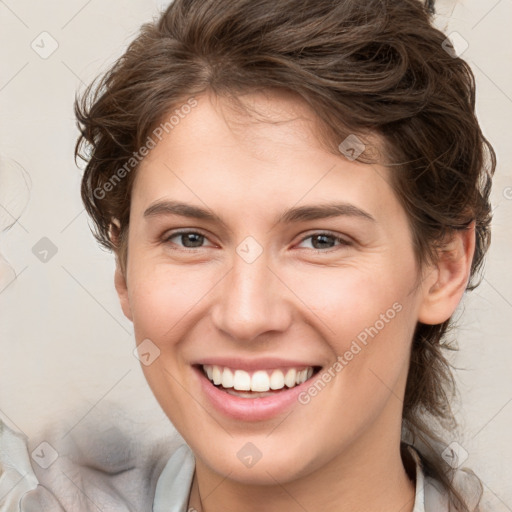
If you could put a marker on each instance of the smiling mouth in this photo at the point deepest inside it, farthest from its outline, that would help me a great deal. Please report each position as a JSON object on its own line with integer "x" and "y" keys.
{"x": 257, "y": 384}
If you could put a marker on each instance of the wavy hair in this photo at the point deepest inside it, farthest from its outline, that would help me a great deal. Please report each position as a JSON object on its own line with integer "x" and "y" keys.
{"x": 364, "y": 67}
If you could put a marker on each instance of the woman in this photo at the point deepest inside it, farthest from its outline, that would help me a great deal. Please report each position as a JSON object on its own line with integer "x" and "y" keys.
{"x": 297, "y": 196}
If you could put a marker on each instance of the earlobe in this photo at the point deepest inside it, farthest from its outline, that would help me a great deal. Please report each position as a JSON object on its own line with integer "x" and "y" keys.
{"x": 122, "y": 291}
{"x": 444, "y": 287}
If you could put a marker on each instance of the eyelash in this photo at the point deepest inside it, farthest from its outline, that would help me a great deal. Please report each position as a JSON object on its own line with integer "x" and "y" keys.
{"x": 342, "y": 241}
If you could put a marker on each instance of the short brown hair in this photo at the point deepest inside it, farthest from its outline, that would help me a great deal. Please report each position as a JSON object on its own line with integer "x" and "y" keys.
{"x": 365, "y": 67}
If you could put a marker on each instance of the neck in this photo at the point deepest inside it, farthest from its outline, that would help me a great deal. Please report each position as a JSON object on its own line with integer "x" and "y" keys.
{"x": 367, "y": 477}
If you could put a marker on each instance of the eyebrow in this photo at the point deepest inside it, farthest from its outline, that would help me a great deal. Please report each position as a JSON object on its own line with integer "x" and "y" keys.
{"x": 295, "y": 214}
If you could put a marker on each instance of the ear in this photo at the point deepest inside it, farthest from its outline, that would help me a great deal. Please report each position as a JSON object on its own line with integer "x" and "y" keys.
{"x": 445, "y": 285}
{"x": 122, "y": 291}
{"x": 119, "y": 276}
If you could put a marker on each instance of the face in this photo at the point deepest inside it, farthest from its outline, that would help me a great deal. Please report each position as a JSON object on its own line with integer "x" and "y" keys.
{"x": 256, "y": 283}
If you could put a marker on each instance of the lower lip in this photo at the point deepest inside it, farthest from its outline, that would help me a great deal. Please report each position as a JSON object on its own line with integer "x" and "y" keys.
{"x": 250, "y": 409}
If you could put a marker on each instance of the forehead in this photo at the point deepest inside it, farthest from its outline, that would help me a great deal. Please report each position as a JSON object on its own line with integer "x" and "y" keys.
{"x": 266, "y": 126}
{"x": 271, "y": 153}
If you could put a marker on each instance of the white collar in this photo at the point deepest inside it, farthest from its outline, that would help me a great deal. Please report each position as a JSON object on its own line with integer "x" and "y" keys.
{"x": 430, "y": 496}
{"x": 174, "y": 483}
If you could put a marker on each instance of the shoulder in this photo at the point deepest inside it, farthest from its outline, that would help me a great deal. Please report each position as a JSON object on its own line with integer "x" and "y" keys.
{"x": 106, "y": 465}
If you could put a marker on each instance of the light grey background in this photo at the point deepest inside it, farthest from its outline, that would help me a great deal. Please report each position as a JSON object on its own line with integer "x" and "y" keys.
{"x": 65, "y": 344}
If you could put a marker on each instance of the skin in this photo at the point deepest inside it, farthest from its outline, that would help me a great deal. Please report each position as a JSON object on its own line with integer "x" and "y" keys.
{"x": 302, "y": 297}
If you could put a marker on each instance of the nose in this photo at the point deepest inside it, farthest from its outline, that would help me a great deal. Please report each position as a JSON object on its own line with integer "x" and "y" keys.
{"x": 252, "y": 301}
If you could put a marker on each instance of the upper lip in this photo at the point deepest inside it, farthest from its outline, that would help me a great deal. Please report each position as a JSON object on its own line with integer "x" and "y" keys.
{"x": 264, "y": 363}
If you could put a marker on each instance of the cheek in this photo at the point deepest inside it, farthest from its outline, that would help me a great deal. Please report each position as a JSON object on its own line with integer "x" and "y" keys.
{"x": 161, "y": 297}
{"x": 350, "y": 300}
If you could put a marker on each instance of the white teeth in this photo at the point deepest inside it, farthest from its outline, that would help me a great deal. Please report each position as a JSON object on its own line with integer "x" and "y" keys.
{"x": 289, "y": 378}
{"x": 216, "y": 375}
{"x": 277, "y": 380}
{"x": 227, "y": 378}
{"x": 301, "y": 376}
{"x": 242, "y": 381}
{"x": 260, "y": 381}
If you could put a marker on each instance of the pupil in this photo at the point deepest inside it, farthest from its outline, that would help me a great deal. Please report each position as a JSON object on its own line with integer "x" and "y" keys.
{"x": 319, "y": 237}
{"x": 188, "y": 237}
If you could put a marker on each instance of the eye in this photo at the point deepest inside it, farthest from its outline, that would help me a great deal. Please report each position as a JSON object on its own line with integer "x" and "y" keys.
{"x": 189, "y": 239}
{"x": 195, "y": 240}
{"x": 324, "y": 240}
